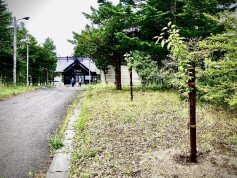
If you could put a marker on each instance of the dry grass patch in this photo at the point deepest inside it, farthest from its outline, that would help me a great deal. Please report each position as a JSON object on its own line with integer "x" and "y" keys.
{"x": 119, "y": 138}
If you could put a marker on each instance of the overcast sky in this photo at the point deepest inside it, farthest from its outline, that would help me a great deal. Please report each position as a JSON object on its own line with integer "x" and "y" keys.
{"x": 53, "y": 18}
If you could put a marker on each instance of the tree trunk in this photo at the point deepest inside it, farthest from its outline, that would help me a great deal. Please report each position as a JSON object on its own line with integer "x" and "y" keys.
{"x": 105, "y": 77}
{"x": 117, "y": 70}
{"x": 143, "y": 84}
{"x": 173, "y": 10}
{"x": 47, "y": 76}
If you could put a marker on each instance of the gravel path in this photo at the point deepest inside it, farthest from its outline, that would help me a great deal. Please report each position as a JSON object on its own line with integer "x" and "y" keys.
{"x": 26, "y": 122}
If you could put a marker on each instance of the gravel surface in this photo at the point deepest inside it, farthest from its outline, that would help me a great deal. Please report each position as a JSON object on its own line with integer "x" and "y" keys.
{"x": 26, "y": 122}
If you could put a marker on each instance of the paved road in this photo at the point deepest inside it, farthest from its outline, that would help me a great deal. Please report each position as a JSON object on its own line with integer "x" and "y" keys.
{"x": 26, "y": 122}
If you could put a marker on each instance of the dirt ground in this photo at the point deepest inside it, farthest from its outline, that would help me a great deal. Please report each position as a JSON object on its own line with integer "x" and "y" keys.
{"x": 170, "y": 164}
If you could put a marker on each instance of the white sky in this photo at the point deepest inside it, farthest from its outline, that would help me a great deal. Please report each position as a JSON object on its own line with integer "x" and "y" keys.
{"x": 53, "y": 18}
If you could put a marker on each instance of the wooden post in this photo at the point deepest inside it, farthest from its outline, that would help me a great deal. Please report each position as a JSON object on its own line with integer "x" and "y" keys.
{"x": 47, "y": 76}
{"x": 192, "y": 111}
{"x": 131, "y": 88}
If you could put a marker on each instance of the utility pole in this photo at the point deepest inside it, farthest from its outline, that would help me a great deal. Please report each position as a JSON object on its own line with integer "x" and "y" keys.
{"x": 14, "y": 46}
{"x": 27, "y": 61}
{"x": 14, "y": 50}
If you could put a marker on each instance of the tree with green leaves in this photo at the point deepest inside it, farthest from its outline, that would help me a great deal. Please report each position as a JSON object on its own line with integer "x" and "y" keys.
{"x": 131, "y": 25}
{"x": 42, "y": 63}
{"x": 6, "y": 40}
{"x": 105, "y": 40}
{"x": 90, "y": 44}
{"x": 218, "y": 77}
{"x": 145, "y": 67}
{"x": 50, "y": 46}
{"x": 186, "y": 57}
{"x": 42, "y": 58}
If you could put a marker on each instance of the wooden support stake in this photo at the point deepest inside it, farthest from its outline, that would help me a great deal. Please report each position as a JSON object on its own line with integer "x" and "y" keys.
{"x": 192, "y": 104}
{"x": 131, "y": 86}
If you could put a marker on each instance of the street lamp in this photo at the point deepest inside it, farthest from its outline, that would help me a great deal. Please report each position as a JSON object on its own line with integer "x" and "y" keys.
{"x": 14, "y": 46}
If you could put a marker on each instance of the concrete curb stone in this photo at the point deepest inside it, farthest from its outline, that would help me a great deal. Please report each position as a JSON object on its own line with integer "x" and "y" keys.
{"x": 60, "y": 165}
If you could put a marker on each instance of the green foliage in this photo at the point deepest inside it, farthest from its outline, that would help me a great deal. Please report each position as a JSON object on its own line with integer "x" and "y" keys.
{"x": 142, "y": 63}
{"x": 9, "y": 90}
{"x": 50, "y": 46}
{"x": 108, "y": 39}
{"x": 55, "y": 143}
{"x": 41, "y": 59}
{"x": 5, "y": 29}
{"x": 179, "y": 53}
{"x": 216, "y": 57}
{"x": 6, "y": 41}
{"x": 218, "y": 78}
{"x": 129, "y": 25}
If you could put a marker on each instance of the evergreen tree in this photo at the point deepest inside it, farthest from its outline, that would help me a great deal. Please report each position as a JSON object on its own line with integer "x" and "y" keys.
{"x": 6, "y": 41}
{"x": 50, "y": 46}
{"x": 218, "y": 79}
{"x": 105, "y": 42}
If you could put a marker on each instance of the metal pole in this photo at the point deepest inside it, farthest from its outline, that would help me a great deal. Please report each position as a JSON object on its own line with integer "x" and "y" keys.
{"x": 89, "y": 71}
{"x": 14, "y": 50}
{"x": 27, "y": 66}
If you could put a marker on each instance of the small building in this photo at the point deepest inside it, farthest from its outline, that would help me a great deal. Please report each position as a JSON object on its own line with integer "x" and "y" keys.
{"x": 110, "y": 76}
{"x": 77, "y": 67}
{"x": 81, "y": 69}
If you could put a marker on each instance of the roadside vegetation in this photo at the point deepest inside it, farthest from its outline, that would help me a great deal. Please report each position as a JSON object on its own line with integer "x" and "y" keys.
{"x": 9, "y": 90}
{"x": 149, "y": 137}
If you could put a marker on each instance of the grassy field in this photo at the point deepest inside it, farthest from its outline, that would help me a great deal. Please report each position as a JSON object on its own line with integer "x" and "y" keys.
{"x": 149, "y": 137}
{"x": 7, "y": 91}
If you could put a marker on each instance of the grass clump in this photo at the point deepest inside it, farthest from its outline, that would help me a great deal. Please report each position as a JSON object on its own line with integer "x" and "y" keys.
{"x": 115, "y": 135}
{"x": 10, "y": 90}
{"x": 55, "y": 143}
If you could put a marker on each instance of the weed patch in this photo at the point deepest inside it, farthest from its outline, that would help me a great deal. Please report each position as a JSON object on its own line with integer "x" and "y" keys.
{"x": 7, "y": 91}
{"x": 55, "y": 143}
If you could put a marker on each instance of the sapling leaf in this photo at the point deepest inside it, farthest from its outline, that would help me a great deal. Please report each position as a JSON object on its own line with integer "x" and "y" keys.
{"x": 165, "y": 28}
{"x": 162, "y": 43}
{"x": 169, "y": 45}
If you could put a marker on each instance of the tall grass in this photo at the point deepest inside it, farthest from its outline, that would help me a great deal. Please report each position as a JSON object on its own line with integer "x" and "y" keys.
{"x": 10, "y": 90}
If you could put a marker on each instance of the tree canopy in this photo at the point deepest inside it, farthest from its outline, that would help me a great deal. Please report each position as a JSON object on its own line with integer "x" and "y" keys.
{"x": 6, "y": 40}
{"x": 116, "y": 29}
{"x": 42, "y": 58}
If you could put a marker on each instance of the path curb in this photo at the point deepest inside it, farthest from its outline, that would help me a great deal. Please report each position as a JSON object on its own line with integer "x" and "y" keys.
{"x": 60, "y": 165}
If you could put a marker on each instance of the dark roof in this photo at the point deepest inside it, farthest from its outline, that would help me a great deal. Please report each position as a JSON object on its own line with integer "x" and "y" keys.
{"x": 73, "y": 64}
{"x": 64, "y": 62}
